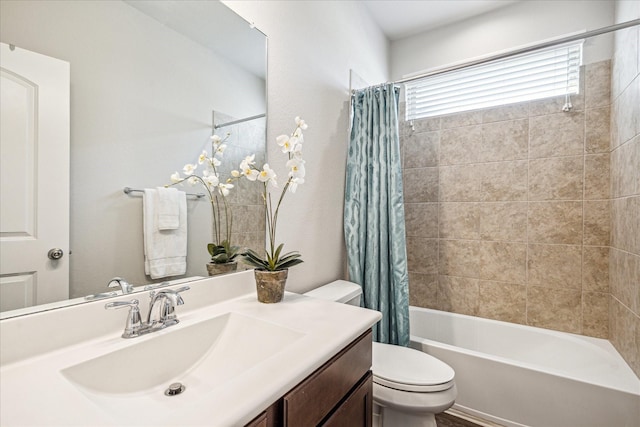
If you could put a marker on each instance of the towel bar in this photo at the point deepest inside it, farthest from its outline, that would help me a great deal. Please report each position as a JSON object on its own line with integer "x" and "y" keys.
{"x": 129, "y": 190}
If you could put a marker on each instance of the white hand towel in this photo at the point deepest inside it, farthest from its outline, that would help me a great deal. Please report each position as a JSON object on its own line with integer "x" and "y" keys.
{"x": 168, "y": 208}
{"x": 165, "y": 251}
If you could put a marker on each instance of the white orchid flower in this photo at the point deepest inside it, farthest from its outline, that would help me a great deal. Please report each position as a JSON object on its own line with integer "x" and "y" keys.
{"x": 220, "y": 150}
{"x": 301, "y": 123}
{"x": 189, "y": 169}
{"x": 267, "y": 174}
{"x": 248, "y": 161}
{"x": 203, "y": 157}
{"x": 211, "y": 180}
{"x": 224, "y": 189}
{"x": 175, "y": 177}
{"x": 216, "y": 139}
{"x": 296, "y": 168}
{"x": 287, "y": 143}
{"x": 251, "y": 174}
{"x": 192, "y": 180}
{"x": 246, "y": 168}
{"x": 297, "y": 151}
{"x": 215, "y": 162}
{"x": 298, "y": 134}
{"x": 248, "y": 171}
{"x": 293, "y": 184}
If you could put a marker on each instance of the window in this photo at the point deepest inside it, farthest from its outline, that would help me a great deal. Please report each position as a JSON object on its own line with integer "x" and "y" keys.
{"x": 539, "y": 74}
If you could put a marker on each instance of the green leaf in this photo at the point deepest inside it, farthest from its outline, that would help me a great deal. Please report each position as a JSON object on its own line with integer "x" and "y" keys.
{"x": 288, "y": 258}
{"x": 252, "y": 258}
{"x": 278, "y": 250}
{"x": 223, "y": 253}
{"x": 289, "y": 264}
{"x": 211, "y": 247}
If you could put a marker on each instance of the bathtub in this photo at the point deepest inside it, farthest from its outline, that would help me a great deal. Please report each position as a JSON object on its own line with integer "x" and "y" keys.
{"x": 517, "y": 375}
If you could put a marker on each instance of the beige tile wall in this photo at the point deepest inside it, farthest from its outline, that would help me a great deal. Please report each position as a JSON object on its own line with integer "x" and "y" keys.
{"x": 508, "y": 210}
{"x": 624, "y": 260}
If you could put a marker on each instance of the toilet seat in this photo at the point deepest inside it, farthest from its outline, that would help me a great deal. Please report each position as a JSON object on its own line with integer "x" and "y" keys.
{"x": 407, "y": 369}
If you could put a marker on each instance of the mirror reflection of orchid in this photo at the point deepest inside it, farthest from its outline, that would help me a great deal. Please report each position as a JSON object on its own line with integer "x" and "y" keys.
{"x": 291, "y": 145}
{"x": 221, "y": 249}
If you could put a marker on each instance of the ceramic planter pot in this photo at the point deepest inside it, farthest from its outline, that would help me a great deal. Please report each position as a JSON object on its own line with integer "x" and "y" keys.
{"x": 270, "y": 285}
{"x": 227, "y": 267}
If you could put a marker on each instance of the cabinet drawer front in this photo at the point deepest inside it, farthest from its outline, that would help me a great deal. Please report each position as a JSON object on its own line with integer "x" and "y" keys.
{"x": 311, "y": 401}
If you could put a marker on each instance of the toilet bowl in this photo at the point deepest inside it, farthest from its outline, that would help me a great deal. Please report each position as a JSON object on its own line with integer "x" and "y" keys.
{"x": 409, "y": 386}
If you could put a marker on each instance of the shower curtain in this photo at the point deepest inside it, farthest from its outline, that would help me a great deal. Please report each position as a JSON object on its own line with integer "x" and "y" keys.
{"x": 374, "y": 212}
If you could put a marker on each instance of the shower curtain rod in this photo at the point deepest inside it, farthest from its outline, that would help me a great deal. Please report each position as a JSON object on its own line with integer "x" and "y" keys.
{"x": 543, "y": 45}
{"x": 235, "y": 122}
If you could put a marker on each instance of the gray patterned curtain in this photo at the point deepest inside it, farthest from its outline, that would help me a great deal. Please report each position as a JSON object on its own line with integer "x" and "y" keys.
{"x": 374, "y": 212}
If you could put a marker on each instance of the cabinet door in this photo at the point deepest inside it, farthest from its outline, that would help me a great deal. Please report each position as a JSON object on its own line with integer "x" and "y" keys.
{"x": 357, "y": 410}
{"x": 317, "y": 396}
{"x": 259, "y": 421}
{"x": 272, "y": 417}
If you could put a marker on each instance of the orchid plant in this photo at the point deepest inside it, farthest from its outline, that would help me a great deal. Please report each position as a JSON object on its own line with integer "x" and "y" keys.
{"x": 221, "y": 249}
{"x": 291, "y": 145}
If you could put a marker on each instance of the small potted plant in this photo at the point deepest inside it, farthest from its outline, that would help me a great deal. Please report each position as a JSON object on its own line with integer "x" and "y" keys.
{"x": 271, "y": 268}
{"x": 223, "y": 253}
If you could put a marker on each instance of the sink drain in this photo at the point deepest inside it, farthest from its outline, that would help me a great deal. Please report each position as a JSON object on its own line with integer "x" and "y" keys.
{"x": 174, "y": 389}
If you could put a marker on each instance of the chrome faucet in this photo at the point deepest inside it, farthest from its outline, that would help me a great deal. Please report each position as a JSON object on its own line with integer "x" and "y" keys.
{"x": 162, "y": 307}
{"x": 161, "y": 312}
{"x": 126, "y": 287}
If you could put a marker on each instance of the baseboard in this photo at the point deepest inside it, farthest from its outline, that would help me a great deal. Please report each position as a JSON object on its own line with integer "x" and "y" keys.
{"x": 481, "y": 422}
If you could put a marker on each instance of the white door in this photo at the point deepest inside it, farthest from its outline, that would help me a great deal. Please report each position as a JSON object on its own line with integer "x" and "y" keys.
{"x": 34, "y": 178}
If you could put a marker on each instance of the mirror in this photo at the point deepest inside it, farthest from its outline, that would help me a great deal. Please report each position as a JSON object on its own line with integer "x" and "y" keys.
{"x": 148, "y": 81}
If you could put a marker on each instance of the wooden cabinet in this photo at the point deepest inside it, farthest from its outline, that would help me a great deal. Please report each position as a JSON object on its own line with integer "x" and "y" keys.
{"x": 340, "y": 393}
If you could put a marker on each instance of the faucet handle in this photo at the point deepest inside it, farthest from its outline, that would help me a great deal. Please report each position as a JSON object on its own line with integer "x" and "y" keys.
{"x": 179, "y": 300}
{"x": 175, "y": 291}
{"x": 126, "y": 287}
{"x": 162, "y": 306}
{"x": 122, "y": 304}
{"x": 172, "y": 293}
{"x": 133, "y": 326}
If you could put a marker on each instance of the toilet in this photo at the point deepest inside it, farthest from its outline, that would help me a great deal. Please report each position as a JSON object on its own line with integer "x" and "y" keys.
{"x": 409, "y": 386}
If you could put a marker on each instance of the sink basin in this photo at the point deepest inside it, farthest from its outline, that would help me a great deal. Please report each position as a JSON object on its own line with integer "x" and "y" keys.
{"x": 204, "y": 354}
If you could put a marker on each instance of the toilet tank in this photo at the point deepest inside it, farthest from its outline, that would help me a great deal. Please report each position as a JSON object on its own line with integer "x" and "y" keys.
{"x": 338, "y": 291}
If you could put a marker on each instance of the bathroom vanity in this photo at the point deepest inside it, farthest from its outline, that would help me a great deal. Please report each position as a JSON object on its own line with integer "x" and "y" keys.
{"x": 300, "y": 362}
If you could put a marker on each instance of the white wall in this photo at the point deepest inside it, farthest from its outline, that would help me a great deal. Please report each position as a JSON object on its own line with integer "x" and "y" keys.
{"x": 517, "y": 25}
{"x": 312, "y": 46}
{"x": 142, "y": 97}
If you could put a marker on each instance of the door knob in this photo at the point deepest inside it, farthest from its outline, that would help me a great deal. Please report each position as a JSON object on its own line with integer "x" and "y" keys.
{"x": 55, "y": 253}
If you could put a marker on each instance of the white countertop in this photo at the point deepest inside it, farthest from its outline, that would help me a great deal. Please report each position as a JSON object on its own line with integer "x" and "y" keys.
{"x": 34, "y": 392}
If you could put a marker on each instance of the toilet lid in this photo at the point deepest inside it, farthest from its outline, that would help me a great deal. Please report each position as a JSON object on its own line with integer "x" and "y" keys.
{"x": 408, "y": 369}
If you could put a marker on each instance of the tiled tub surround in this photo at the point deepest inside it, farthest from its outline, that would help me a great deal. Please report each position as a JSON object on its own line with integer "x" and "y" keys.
{"x": 624, "y": 260}
{"x": 508, "y": 210}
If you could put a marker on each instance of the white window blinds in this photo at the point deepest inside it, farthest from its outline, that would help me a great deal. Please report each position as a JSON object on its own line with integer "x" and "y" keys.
{"x": 534, "y": 75}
